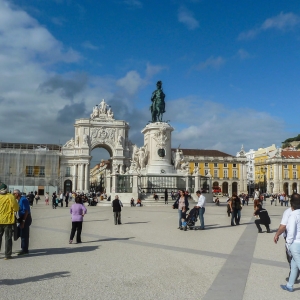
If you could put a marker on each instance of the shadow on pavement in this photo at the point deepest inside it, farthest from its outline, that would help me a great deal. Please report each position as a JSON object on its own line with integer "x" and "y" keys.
{"x": 54, "y": 251}
{"x": 109, "y": 240}
{"x": 209, "y": 227}
{"x": 136, "y": 222}
{"x": 96, "y": 220}
{"x": 34, "y": 278}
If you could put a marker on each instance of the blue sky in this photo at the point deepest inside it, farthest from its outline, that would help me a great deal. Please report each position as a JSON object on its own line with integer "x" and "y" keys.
{"x": 230, "y": 69}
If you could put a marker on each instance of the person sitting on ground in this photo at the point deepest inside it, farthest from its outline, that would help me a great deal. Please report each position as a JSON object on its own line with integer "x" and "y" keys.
{"x": 139, "y": 202}
{"x": 217, "y": 201}
{"x": 155, "y": 197}
{"x": 263, "y": 218}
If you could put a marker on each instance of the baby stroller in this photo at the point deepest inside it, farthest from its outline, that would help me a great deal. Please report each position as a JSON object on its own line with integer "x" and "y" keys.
{"x": 192, "y": 218}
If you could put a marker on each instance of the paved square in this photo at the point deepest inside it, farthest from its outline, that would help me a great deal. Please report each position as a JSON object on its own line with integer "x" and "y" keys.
{"x": 147, "y": 257}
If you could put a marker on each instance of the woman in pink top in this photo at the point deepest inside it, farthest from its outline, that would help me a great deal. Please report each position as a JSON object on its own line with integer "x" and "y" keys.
{"x": 77, "y": 211}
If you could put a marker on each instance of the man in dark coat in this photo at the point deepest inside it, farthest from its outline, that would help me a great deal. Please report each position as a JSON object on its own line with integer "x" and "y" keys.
{"x": 116, "y": 205}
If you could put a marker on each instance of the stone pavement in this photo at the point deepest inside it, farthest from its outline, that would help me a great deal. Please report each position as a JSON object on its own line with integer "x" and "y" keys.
{"x": 147, "y": 257}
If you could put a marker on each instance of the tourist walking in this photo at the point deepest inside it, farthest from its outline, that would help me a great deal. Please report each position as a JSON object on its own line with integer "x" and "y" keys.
{"x": 283, "y": 229}
{"x": 25, "y": 221}
{"x": 37, "y": 198}
{"x": 8, "y": 207}
{"x": 47, "y": 199}
{"x": 293, "y": 245}
{"x": 201, "y": 206}
{"x": 181, "y": 201}
{"x": 31, "y": 199}
{"x": 67, "y": 199}
{"x": 166, "y": 196}
{"x": 77, "y": 211}
{"x": 264, "y": 218}
{"x": 61, "y": 199}
{"x": 235, "y": 207}
{"x": 54, "y": 200}
{"x": 117, "y": 207}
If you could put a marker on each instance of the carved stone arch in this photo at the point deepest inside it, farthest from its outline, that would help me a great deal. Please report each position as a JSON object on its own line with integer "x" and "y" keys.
{"x": 101, "y": 130}
{"x": 107, "y": 146}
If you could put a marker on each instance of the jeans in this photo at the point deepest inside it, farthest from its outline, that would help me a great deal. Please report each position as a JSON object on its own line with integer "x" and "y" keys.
{"x": 286, "y": 203}
{"x": 201, "y": 216}
{"x": 7, "y": 229}
{"x": 179, "y": 213}
{"x": 235, "y": 216}
{"x": 295, "y": 264}
{"x": 24, "y": 234}
{"x": 117, "y": 217}
{"x": 76, "y": 226}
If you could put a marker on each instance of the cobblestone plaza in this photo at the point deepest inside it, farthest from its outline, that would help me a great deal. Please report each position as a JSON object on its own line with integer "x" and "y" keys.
{"x": 147, "y": 257}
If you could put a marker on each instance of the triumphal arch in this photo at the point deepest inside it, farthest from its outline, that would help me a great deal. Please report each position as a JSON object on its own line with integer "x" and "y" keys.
{"x": 101, "y": 130}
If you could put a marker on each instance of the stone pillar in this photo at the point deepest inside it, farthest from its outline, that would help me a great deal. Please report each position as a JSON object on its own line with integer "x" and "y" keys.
{"x": 81, "y": 176}
{"x": 245, "y": 188}
{"x": 114, "y": 184}
{"x": 196, "y": 183}
{"x": 108, "y": 184}
{"x": 135, "y": 188}
{"x": 230, "y": 189}
{"x": 86, "y": 178}
{"x": 75, "y": 177}
{"x": 276, "y": 179}
{"x": 290, "y": 189}
{"x": 280, "y": 178}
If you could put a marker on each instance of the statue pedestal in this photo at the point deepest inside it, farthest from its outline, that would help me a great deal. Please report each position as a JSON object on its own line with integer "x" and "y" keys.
{"x": 157, "y": 137}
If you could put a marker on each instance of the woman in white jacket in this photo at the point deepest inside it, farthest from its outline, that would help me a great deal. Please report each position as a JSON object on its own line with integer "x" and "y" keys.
{"x": 293, "y": 244}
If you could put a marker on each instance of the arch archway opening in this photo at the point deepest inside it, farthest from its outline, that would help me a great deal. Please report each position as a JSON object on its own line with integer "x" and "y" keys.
{"x": 100, "y": 164}
{"x": 294, "y": 188}
{"x": 234, "y": 187}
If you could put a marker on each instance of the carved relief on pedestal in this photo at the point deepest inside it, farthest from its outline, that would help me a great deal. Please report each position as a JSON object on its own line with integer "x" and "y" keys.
{"x": 161, "y": 137}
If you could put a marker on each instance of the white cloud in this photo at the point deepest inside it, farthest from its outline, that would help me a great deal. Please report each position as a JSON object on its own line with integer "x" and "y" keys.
{"x": 209, "y": 125}
{"x": 186, "y": 17}
{"x": 282, "y": 22}
{"x": 89, "y": 45}
{"x": 132, "y": 82}
{"x": 152, "y": 70}
{"x": 211, "y": 62}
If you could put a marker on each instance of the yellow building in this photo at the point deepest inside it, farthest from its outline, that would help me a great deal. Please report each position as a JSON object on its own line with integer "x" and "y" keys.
{"x": 228, "y": 172}
{"x": 277, "y": 170}
{"x": 261, "y": 167}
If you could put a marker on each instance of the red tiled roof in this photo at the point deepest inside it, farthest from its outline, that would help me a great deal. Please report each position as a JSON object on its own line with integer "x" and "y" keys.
{"x": 290, "y": 154}
{"x": 202, "y": 152}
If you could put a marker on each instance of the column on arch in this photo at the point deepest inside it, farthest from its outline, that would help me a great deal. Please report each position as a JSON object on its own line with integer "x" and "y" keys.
{"x": 80, "y": 177}
{"x": 75, "y": 177}
{"x": 86, "y": 178}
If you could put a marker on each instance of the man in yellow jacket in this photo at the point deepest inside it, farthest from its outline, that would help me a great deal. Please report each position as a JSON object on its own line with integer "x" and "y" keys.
{"x": 8, "y": 205}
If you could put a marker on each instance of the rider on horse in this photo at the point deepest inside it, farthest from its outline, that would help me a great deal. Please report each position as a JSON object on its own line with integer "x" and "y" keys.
{"x": 158, "y": 103}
